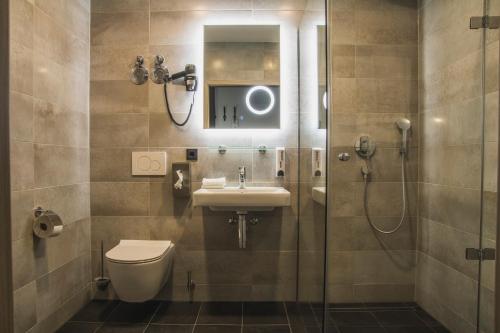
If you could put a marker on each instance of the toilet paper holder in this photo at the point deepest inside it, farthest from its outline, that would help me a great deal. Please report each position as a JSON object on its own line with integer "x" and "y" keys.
{"x": 46, "y": 223}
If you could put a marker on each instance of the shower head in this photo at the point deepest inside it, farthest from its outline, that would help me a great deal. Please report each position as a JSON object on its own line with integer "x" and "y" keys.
{"x": 139, "y": 74}
{"x": 404, "y": 125}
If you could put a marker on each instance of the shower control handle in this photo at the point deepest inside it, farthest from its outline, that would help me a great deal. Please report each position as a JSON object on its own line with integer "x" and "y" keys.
{"x": 344, "y": 157}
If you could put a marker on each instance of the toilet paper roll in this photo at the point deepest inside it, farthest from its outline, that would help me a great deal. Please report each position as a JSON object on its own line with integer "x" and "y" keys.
{"x": 47, "y": 224}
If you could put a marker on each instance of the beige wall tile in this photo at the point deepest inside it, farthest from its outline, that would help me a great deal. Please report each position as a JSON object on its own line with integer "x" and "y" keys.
{"x": 58, "y": 165}
{"x": 115, "y": 63}
{"x": 24, "y": 308}
{"x": 22, "y": 203}
{"x": 21, "y": 18}
{"x": 70, "y": 202}
{"x": 120, "y": 28}
{"x": 21, "y": 68}
{"x": 22, "y": 165}
{"x": 118, "y": 97}
{"x": 119, "y": 130}
{"x": 21, "y": 120}
{"x": 126, "y": 199}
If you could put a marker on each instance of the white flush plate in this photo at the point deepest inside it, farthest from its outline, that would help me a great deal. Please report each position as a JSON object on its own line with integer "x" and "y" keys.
{"x": 147, "y": 163}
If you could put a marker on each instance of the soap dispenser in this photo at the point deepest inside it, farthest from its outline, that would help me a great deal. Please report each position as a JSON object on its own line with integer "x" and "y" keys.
{"x": 280, "y": 161}
{"x": 317, "y": 162}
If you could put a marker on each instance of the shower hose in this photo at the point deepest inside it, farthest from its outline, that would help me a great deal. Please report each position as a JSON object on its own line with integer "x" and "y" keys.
{"x": 403, "y": 212}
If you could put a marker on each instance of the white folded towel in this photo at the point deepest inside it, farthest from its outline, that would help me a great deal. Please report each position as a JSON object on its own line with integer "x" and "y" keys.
{"x": 213, "y": 183}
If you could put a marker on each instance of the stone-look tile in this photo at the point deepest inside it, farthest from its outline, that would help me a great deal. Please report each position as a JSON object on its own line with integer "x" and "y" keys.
{"x": 113, "y": 6}
{"x": 74, "y": 240}
{"x": 120, "y": 28}
{"x": 57, "y": 44}
{"x": 380, "y": 267}
{"x": 23, "y": 262}
{"x": 58, "y": 318}
{"x": 113, "y": 164}
{"x": 73, "y": 16}
{"x": 447, "y": 245}
{"x": 119, "y": 199}
{"x": 22, "y": 203}
{"x": 22, "y": 165}
{"x": 53, "y": 125}
{"x": 176, "y": 5}
{"x": 21, "y": 16}
{"x": 436, "y": 292}
{"x": 24, "y": 308}
{"x": 59, "y": 165}
{"x": 70, "y": 202}
{"x": 386, "y": 61}
{"x": 343, "y": 61}
{"x": 395, "y": 25}
{"x": 118, "y": 97}
{"x": 59, "y": 286}
{"x": 386, "y": 95}
{"x": 63, "y": 85}
{"x": 21, "y": 116}
{"x": 115, "y": 62}
{"x": 21, "y": 68}
{"x": 129, "y": 130}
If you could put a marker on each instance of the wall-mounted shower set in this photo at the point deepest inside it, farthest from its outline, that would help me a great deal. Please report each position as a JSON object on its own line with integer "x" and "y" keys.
{"x": 365, "y": 147}
{"x": 160, "y": 75}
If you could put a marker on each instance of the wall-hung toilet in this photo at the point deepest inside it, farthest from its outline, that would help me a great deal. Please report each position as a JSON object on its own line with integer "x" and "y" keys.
{"x": 139, "y": 268}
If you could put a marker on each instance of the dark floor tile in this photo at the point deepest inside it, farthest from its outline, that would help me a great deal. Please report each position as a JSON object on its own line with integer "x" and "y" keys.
{"x": 133, "y": 312}
{"x": 398, "y": 318}
{"x": 403, "y": 306}
{"x": 78, "y": 328}
{"x": 122, "y": 328}
{"x": 154, "y": 328}
{"x": 217, "y": 329}
{"x": 331, "y": 329}
{"x": 312, "y": 329}
{"x": 409, "y": 329}
{"x": 264, "y": 313}
{"x": 267, "y": 329}
{"x": 427, "y": 318}
{"x": 339, "y": 306}
{"x": 95, "y": 311}
{"x": 440, "y": 329}
{"x": 368, "y": 329}
{"x": 301, "y": 314}
{"x": 220, "y": 313}
{"x": 353, "y": 318}
{"x": 176, "y": 313}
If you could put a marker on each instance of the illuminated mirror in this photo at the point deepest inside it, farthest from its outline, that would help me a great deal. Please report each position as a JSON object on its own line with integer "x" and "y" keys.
{"x": 242, "y": 76}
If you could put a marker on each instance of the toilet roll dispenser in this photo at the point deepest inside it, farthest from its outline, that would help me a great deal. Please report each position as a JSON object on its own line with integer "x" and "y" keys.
{"x": 46, "y": 223}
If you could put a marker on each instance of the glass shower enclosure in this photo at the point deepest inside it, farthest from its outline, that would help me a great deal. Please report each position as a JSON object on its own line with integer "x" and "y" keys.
{"x": 401, "y": 234}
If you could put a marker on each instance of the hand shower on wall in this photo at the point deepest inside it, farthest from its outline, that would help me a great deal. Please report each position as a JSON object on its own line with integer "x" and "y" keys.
{"x": 365, "y": 147}
{"x": 160, "y": 75}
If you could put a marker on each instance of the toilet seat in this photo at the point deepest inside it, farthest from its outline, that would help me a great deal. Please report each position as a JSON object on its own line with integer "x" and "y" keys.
{"x": 138, "y": 252}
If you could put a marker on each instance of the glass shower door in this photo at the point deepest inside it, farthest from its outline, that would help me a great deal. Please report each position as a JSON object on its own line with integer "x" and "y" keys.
{"x": 400, "y": 219}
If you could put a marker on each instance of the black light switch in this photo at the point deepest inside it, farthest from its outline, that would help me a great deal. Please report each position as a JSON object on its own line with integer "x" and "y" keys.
{"x": 192, "y": 154}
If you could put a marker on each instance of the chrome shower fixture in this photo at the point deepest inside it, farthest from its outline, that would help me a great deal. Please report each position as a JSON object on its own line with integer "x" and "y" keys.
{"x": 160, "y": 71}
{"x": 139, "y": 74}
{"x": 404, "y": 125}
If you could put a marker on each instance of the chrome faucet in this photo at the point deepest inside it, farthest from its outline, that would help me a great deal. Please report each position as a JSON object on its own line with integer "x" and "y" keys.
{"x": 243, "y": 176}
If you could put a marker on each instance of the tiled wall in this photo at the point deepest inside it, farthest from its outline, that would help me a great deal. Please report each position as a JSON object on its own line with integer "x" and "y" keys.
{"x": 126, "y": 118}
{"x": 450, "y": 195}
{"x": 375, "y": 72}
{"x": 50, "y": 158}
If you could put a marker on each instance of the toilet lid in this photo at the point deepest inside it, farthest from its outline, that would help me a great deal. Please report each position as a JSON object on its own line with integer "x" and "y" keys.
{"x": 138, "y": 251}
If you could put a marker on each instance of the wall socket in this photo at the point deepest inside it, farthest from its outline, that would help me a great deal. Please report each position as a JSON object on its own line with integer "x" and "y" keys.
{"x": 192, "y": 154}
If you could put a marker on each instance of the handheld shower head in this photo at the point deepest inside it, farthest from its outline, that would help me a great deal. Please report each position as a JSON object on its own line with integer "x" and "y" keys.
{"x": 404, "y": 125}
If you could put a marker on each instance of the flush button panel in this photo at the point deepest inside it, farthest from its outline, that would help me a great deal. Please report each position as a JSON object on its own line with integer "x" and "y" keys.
{"x": 149, "y": 163}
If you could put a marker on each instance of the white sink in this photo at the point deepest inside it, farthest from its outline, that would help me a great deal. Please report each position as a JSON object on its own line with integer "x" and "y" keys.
{"x": 247, "y": 199}
{"x": 319, "y": 195}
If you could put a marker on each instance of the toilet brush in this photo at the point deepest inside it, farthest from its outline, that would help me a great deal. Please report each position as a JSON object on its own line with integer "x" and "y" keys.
{"x": 101, "y": 281}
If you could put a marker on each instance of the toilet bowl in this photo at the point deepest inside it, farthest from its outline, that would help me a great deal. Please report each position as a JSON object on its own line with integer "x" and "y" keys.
{"x": 139, "y": 268}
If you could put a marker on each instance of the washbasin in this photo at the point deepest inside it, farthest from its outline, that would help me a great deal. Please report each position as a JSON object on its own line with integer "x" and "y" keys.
{"x": 319, "y": 195}
{"x": 246, "y": 199}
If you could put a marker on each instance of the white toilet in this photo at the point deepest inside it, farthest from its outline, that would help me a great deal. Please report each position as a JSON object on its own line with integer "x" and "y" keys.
{"x": 139, "y": 268}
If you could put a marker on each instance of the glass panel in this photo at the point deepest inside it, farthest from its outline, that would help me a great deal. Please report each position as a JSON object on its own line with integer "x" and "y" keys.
{"x": 490, "y": 189}
{"x": 407, "y": 106}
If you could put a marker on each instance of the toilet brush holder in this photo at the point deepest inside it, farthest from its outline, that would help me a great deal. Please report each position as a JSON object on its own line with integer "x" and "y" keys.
{"x": 102, "y": 281}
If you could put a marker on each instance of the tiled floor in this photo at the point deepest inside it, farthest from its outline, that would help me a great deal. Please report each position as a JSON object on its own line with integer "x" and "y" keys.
{"x": 259, "y": 317}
